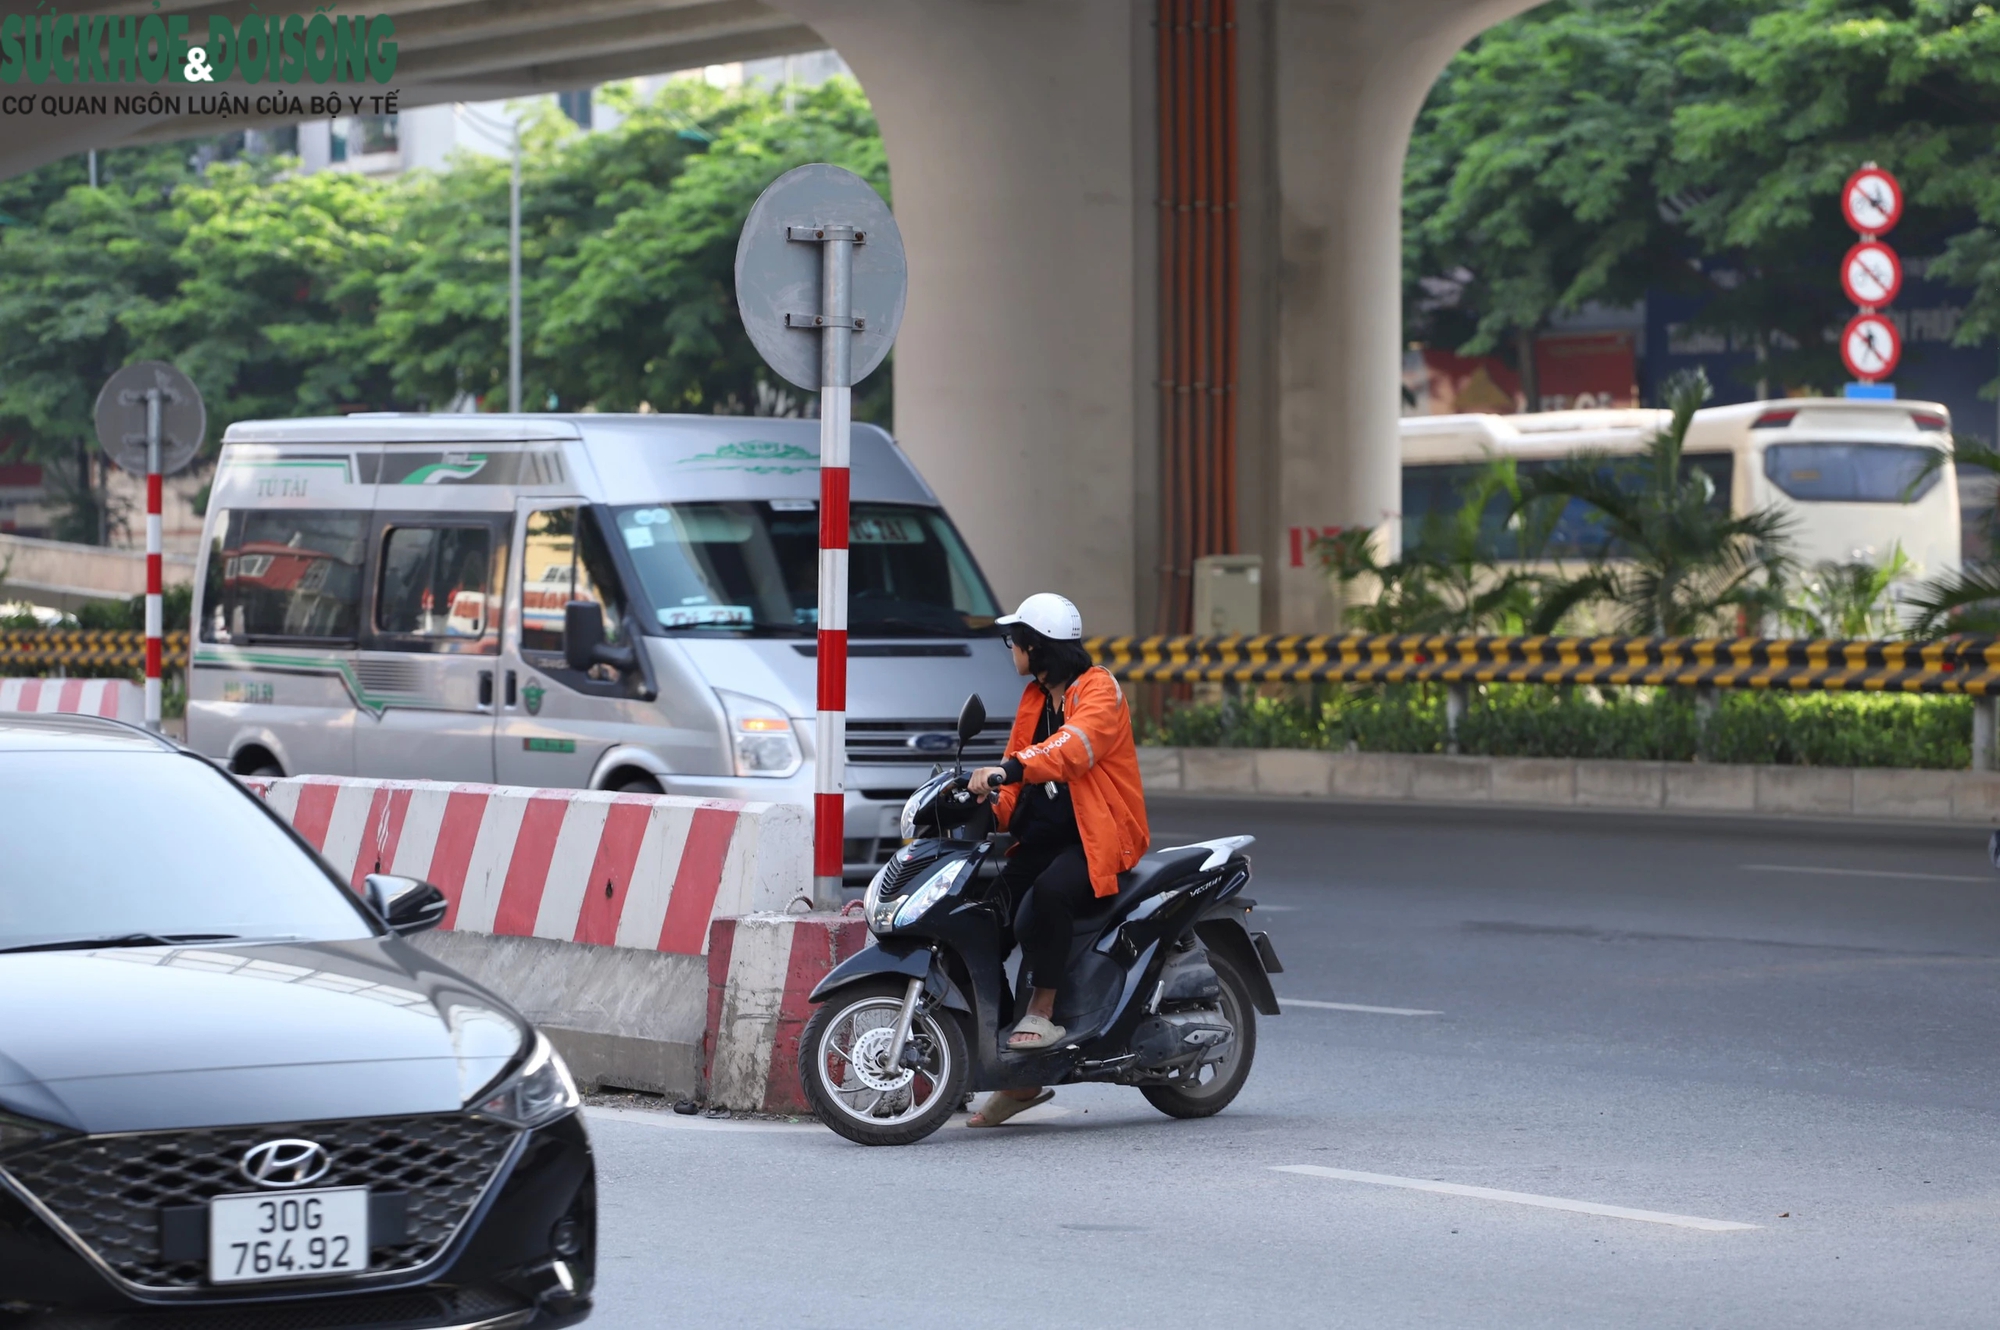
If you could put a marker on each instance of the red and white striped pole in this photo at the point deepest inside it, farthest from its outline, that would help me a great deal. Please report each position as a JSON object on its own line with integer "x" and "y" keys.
{"x": 836, "y": 338}
{"x": 153, "y": 579}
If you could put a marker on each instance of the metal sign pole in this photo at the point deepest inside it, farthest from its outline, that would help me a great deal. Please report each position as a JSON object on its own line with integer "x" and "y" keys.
{"x": 836, "y": 401}
{"x": 154, "y": 615}
{"x": 860, "y": 278}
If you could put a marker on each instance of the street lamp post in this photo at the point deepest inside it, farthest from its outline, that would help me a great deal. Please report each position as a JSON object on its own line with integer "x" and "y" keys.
{"x": 513, "y": 254}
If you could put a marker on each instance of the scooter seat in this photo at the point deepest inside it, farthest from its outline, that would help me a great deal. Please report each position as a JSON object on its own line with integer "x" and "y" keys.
{"x": 1152, "y": 875}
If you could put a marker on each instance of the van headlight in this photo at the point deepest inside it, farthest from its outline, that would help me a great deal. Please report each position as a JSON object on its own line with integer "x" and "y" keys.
{"x": 761, "y": 737}
{"x": 539, "y": 1093}
{"x": 930, "y": 893}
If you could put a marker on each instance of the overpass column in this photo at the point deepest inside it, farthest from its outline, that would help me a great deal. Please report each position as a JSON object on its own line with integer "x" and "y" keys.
{"x": 1331, "y": 90}
{"x": 1023, "y": 369}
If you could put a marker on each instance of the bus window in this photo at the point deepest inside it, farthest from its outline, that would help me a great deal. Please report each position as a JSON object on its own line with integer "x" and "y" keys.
{"x": 1851, "y": 472}
{"x": 1432, "y": 495}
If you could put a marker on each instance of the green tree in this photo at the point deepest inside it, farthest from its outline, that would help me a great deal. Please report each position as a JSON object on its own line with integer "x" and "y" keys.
{"x": 1789, "y": 105}
{"x": 1532, "y": 181}
{"x": 1671, "y": 560}
{"x": 1447, "y": 580}
{"x": 646, "y": 310}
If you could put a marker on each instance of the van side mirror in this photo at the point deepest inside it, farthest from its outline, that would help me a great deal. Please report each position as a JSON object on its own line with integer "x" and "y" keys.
{"x": 971, "y": 719}
{"x": 1993, "y": 848}
{"x": 583, "y": 639}
{"x": 406, "y": 904}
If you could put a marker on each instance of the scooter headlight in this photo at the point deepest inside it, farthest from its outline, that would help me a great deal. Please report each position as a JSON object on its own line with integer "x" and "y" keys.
{"x": 935, "y": 889}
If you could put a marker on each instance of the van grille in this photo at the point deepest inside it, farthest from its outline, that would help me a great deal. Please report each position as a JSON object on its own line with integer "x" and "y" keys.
{"x": 887, "y": 742}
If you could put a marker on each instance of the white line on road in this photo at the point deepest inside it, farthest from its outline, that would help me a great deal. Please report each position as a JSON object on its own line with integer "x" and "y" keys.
{"x": 1517, "y": 1197}
{"x": 1356, "y": 1006}
{"x": 1864, "y": 872}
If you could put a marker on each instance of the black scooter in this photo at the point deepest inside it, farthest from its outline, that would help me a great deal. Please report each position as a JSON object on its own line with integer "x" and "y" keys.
{"x": 1164, "y": 984}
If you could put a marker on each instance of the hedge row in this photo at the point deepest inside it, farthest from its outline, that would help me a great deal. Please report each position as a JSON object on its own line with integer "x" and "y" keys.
{"x": 1531, "y": 720}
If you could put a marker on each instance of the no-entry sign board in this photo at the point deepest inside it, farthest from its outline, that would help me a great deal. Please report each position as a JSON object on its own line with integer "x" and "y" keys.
{"x": 1871, "y": 274}
{"x": 1872, "y": 201}
{"x": 1870, "y": 347}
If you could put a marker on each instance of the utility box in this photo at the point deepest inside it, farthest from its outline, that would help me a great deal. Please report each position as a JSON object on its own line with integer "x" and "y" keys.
{"x": 1228, "y": 595}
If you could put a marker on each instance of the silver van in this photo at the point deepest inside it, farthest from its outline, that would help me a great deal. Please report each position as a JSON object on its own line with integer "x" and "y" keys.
{"x": 385, "y": 595}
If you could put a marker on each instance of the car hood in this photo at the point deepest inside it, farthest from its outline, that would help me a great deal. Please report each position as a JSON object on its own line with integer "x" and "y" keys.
{"x": 146, "y": 1038}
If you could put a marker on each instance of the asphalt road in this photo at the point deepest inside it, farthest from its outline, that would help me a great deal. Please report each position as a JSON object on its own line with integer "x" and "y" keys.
{"x": 1790, "y": 1026}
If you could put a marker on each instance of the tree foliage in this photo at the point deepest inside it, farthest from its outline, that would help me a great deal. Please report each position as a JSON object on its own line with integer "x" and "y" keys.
{"x": 1592, "y": 149}
{"x": 285, "y": 294}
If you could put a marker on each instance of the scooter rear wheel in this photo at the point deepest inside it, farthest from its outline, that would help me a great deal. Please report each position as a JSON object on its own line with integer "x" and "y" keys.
{"x": 1196, "y": 1098}
{"x": 842, "y": 1067}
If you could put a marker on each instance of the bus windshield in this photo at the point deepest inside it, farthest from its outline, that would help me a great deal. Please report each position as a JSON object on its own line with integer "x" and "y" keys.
{"x": 1852, "y": 472}
{"x": 753, "y": 566}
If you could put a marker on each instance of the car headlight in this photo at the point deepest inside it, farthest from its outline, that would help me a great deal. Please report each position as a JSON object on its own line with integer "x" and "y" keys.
{"x": 18, "y": 1132}
{"x": 760, "y": 736}
{"x": 930, "y": 893}
{"x": 540, "y": 1092}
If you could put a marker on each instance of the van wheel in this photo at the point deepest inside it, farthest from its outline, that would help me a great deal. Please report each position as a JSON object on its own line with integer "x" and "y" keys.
{"x": 641, "y": 785}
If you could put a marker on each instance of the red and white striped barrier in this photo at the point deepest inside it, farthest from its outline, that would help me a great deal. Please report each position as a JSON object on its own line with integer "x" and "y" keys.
{"x": 623, "y": 870}
{"x": 760, "y": 970}
{"x": 114, "y": 698}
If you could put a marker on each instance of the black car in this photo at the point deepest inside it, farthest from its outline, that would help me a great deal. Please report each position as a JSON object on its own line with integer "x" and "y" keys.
{"x": 231, "y": 1096}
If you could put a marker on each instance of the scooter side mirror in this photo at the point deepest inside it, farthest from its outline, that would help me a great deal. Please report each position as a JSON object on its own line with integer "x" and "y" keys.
{"x": 971, "y": 719}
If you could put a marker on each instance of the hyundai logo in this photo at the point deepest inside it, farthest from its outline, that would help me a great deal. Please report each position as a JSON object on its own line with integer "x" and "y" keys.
{"x": 933, "y": 743}
{"x": 286, "y": 1163}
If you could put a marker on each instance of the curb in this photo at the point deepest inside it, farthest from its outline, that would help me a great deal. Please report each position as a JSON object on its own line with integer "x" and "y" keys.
{"x": 1876, "y": 793}
{"x": 761, "y": 967}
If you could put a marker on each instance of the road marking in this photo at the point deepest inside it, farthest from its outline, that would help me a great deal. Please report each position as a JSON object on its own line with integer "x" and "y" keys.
{"x": 691, "y": 1122}
{"x": 1864, "y": 872}
{"x": 1356, "y": 1006}
{"x": 1517, "y": 1197}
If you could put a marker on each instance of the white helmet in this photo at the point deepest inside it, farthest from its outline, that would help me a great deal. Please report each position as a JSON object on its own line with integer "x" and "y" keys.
{"x": 1048, "y": 614}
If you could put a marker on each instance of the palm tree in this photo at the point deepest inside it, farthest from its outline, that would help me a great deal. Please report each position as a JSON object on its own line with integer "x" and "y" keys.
{"x": 1447, "y": 579}
{"x": 1671, "y": 561}
{"x": 1967, "y": 601}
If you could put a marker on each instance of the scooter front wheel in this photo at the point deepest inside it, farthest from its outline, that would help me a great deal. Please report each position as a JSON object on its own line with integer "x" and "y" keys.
{"x": 845, "y": 1072}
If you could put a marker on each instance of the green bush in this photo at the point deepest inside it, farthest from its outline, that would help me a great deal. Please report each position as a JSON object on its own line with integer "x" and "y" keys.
{"x": 1535, "y": 720}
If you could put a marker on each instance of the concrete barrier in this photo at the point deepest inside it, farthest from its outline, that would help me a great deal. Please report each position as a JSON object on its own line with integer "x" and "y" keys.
{"x": 761, "y": 968}
{"x": 118, "y": 699}
{"x": 623, "y": 870}
{"x": 588, "y": 911}
{"x": 1671, "y": 787}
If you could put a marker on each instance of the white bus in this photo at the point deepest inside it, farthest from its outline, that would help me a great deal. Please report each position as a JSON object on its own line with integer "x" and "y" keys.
{"x": 1840, "y": 468}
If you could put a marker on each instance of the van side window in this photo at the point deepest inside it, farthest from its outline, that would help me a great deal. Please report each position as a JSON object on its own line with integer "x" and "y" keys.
{"x": 563, "y": 559}
{"x": 279, "y": 575}
{"x": 437, "y": 583}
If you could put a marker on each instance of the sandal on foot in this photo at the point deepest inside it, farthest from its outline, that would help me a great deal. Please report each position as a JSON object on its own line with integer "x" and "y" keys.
{"x": 1040, "y": 1032}
{"x": 1000, "y": 1106}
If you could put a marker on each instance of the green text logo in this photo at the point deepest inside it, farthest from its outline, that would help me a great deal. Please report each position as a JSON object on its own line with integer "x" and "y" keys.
{"x": 278, "y": 48}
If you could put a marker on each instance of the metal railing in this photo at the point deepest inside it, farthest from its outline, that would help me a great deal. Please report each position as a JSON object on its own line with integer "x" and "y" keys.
{"x": 96, "y": 651}
{"x": 1968, "y": 666}
{"x": 1959, "y": 665}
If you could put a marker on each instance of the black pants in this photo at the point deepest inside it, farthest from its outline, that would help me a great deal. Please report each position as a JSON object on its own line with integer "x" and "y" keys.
{"x": 1049, "y": 889}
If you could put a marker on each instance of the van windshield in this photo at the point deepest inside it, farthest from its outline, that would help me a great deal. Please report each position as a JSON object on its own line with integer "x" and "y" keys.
{"x": 753, "y": 566}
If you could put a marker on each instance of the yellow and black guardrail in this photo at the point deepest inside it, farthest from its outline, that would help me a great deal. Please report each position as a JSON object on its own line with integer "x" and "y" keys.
{"x": 1958, "y": 665}
{"x": 1967, "y": 665}
{"x": 98, "y": 651}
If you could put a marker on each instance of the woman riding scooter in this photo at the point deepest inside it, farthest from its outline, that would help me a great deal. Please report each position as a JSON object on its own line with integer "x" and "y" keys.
{"x": 1069, "y": 792}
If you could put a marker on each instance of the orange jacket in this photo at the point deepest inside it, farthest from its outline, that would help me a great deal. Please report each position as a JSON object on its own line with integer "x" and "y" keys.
{"x": 1094, "y": 754}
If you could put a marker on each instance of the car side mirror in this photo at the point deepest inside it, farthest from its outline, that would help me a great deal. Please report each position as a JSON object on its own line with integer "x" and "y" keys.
{"x": 583, "y": 640}
{"x": 405, "y": 904}
{"x": 971, "y": 719}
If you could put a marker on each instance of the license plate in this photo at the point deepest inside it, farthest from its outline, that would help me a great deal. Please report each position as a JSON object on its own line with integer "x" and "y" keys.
{"x": 289, "y": 1235}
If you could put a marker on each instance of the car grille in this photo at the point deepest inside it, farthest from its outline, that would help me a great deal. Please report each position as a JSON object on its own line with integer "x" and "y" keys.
{"x": 408, "y": 1311}
{"x": 109, "y": 1189}
{"x": 886, "y": 742}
